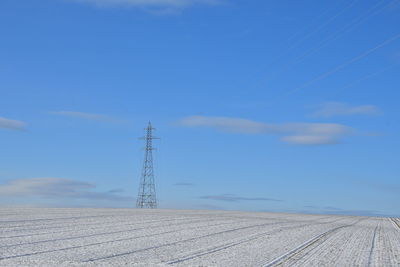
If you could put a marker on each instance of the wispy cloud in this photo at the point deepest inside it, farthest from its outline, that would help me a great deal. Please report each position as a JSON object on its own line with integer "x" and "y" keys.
{"x": 234, "y": 198}
{"x": 293, "y": 133}
{"x": 382, "y": 187}
{"x": 117, "y": 190}
{"x": 386, "y": 188}
{"x": 332, "y": 109}
{"x": 87, "y": 116}
{"x": 12, "y": 124}
{"x": 159, "y": 6}
{"x": 311, "y": 139}
{"x": 226, "y": 124}
{"x": 183, "y": 184}
{"x": 56, "y": 188}
{"x": 339, "y": 211}
{"x": 209, "y": 207}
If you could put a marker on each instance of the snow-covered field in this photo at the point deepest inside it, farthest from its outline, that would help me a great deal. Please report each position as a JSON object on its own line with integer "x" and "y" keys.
{"x": 104, "y": 237}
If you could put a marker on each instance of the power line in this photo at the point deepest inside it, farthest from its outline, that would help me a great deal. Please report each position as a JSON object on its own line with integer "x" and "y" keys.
{"x": 324, "y": 24}
{"x": 366, "y": 77}
{"x": 354, "y": 23}
{"x": 374, "y": 10}
{"x": 347, "y": 63}
{"x": 320, "y": 27}
{"x": 321, "y": 15}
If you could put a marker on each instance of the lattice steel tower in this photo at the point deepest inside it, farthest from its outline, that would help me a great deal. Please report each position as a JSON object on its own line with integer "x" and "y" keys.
{"x": 147, "y": 189}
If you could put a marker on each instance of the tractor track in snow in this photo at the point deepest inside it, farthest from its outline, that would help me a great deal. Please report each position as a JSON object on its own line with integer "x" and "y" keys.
{"x": 104, "y": 233}
{"x": 396, "y": 223}
{"x": 200, "y": 237}
{"x": 214, "y": 249}
{"x": 110, "y": 241}
{"x": 57, "y": 224}
{"x": 297, "y": 250}
{"x": 102, "y": 224}
{"x": 118, "y": 237}
{"x": 373, "y": 245}
{"x": 98, "y": 226}
{"x": 51, "y": 219}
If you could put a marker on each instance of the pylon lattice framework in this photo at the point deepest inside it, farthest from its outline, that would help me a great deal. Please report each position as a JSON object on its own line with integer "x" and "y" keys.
{"x": 147, "y": 189}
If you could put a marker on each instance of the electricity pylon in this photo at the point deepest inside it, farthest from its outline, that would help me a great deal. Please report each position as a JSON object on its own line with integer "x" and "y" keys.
{"x": 147, "y": 189}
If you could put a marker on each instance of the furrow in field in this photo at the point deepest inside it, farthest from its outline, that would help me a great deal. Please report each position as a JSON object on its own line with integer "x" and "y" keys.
{"x": 79, "y": 221}
{"x": 49, "y": 219}
{"x": 254, "y": 248}
{"x": 17, "y": 244}
{"x": 298, "y": 253}
{"x": 396, "y": 223}
{"x": 111, "y": 240}
{"x": 180, "y": 245}
{"x": 210, "y": 250}
{"x": 373, "y": 244}
{"x": 92, "y": 226}
{"x": 104, "y": 237}
{"x": 387, "y": 249}
{"x": 349, "y": 246}
{"x": 124, "y": 231}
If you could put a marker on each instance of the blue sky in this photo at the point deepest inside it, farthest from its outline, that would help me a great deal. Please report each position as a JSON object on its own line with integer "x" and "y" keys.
{"x": 261, "y": 105}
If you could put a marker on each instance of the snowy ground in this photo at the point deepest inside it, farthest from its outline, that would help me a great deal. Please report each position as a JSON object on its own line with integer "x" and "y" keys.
{"x": 104, "y": 237}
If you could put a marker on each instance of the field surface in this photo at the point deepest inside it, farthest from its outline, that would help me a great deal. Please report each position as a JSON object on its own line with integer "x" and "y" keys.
{"x": 118, "y": 237}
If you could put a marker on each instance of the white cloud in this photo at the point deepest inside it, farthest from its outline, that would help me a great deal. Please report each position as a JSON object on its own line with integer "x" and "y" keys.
{"x": 310, "y": 139}
{"x": 293, "y": 133}
{"x": 87, "y": 116}
{"x": 331, "y": 109}
{"x": 153, "y": 4}
{"x": 225, "y": 124}
{"x": 12, "y": 124}
{"x": 56, "y": 188}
